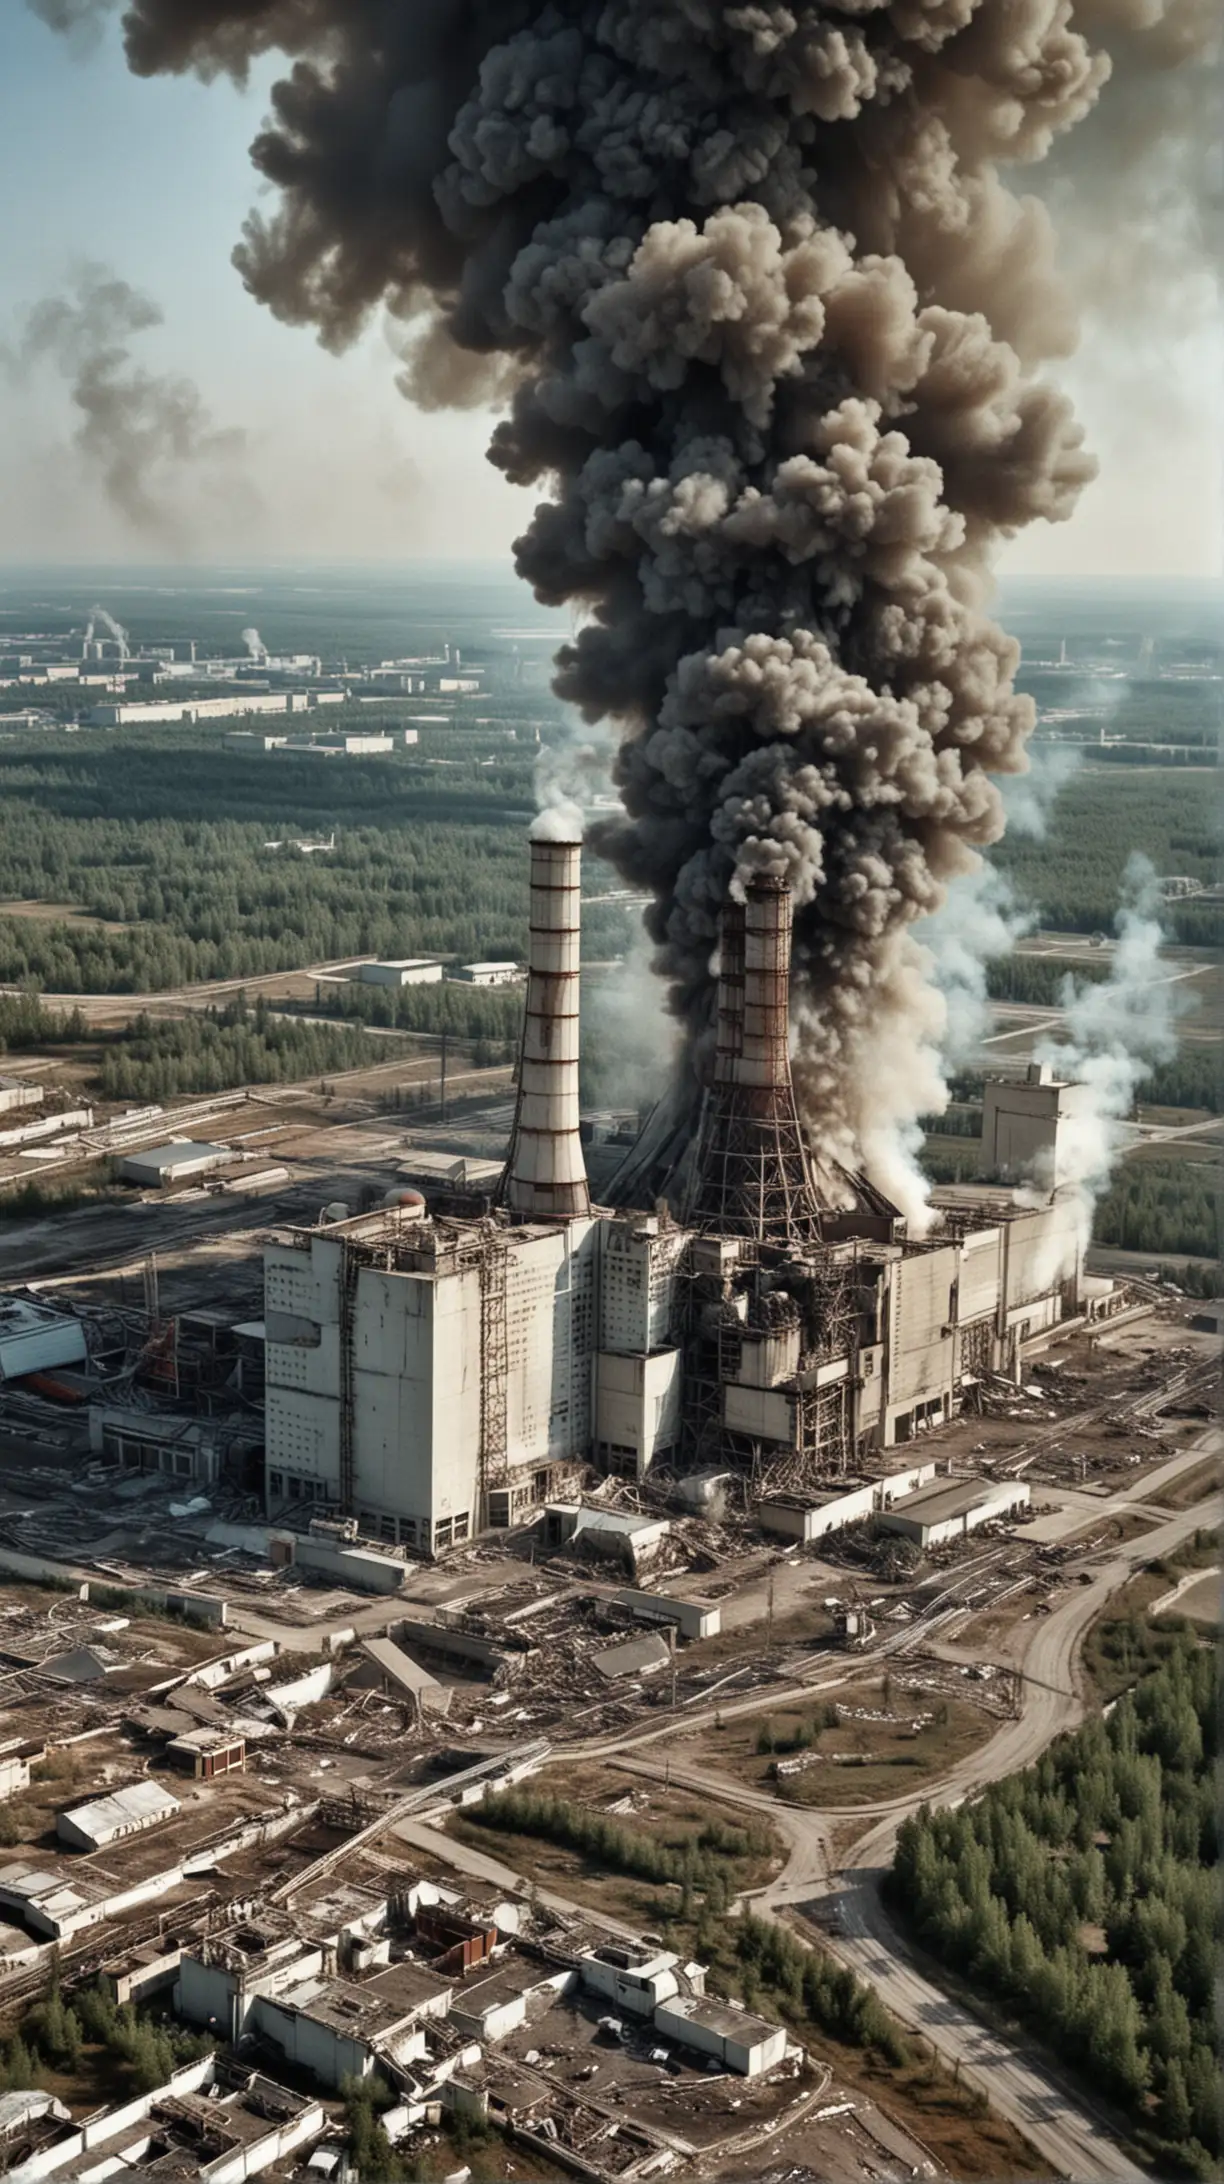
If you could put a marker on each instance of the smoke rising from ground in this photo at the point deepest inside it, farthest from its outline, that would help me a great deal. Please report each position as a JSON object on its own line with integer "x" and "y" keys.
{"x": 770, "y": 325}
{"x": 139, "y": 432}
{"x": 1113, "y": 1035}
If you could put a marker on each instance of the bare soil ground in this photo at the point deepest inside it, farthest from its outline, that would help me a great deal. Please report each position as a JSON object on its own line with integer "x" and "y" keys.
{"x": 859, "y": 1762}
{"x": 1193, "y": 1486}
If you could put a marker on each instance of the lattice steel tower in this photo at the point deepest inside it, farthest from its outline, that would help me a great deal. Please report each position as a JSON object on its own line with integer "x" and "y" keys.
{"x": 752, "y": 1175}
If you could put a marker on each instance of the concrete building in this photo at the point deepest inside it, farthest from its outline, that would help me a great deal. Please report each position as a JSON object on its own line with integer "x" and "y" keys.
{"x": 408, "y": 971}
{"x": 18, "y": 1092}
{"x": 198, "y": 2125}
{"x": 124, "y": 1812}
{"x": 808, "y": 1517}
{"x": 180, "y": 1162}
{"x": 34, "y": 1339}
{"x": 631, "y": 1976}
{"x": 148, "y": 1440}
{"x": 742, "y": 2043}
{"x": 362, "y": 743}
{"x": 438, "y": 1374}
{"x": 185, "y": 712}
{"x": 949, "y": 1509}
{"x": 338, "y": 2028}
{"x": 487, "y": 974}
{"x": 1024, "y": 1118}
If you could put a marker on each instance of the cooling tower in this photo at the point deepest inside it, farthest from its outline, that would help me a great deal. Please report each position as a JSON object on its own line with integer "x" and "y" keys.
{"x": 546, "y": 1174}
{"x": 752, "y": 1175}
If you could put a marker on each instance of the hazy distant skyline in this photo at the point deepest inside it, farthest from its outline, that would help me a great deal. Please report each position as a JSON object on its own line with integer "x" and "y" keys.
{"x": 319, "y": 457}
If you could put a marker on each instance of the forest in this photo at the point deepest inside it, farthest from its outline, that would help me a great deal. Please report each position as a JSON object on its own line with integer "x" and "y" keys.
{"x": 1161, "y": 1206}
{"x": 160, "y": 1058}
{"x": 1071, "y": 876}
{"x": 1142, "y": 709}
{"x": 1082, "y": 1895}
{"x": 163, "y": 837}
{"x": 154, "y": 839}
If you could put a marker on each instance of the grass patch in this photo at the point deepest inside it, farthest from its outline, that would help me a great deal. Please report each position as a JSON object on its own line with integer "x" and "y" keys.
{"x": 848, "y": 1761}
{"x": 1126, "y": 1643}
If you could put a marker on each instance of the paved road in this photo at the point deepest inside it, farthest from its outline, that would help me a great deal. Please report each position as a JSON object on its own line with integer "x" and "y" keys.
{"x": 1059, "y": 2123}
{"x": 1057, "y": 2119}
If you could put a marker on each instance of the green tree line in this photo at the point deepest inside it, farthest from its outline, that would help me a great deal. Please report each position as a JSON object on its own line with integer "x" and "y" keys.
{"x": 53, "y": 2033}
{"x": 703, "y": 1864}
{"x": 1114, "y": 1829}
{"x": 158, "y": 1058}
{"x": 1161, "y": 1206}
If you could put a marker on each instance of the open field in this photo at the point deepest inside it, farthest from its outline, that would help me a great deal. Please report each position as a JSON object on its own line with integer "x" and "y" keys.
{"x": 854, "y": 1761}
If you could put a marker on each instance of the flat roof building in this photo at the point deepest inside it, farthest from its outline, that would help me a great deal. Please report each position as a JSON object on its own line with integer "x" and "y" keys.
{"x": 158, "y": 1165}
{"x": 949, "y": 1509}
{"x": 487, "y": 974}
{"x": 408, "y": 971}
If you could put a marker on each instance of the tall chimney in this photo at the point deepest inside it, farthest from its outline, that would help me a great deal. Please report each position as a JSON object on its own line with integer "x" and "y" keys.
{"x": 545, "y": 1177}
{"x": 752, "y": 1175}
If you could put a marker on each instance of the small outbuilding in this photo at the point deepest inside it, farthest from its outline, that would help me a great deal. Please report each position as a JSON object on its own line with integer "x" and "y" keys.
{"x": 158, "y": 1166}
{"x": 735, "y": 2038}
{"x": 124, "y": 1812}
{"x": 952, "y": 1508}
{"x": 408, "y": 971}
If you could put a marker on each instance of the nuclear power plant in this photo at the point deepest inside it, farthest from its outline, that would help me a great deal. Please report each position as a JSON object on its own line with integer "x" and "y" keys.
{"x": 438, "y": 1370}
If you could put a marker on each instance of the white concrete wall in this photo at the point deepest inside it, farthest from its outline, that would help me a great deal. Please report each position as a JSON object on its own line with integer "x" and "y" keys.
{"x": 637, "y": 1283}
{"x": 14, "y": 1775}
{"x": 637, "y": 1403}
{"x": 640, "y": 1991}
{"x": 207, "y": 1993}
{"x": 329, "y": 2056}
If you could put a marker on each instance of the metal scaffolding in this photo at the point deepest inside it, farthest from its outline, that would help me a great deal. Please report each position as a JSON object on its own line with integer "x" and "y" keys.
{"x": 752, "y": 1174}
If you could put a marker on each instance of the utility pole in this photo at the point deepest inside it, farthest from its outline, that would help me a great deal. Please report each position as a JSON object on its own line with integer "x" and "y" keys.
{"x": 769, "y": 1617}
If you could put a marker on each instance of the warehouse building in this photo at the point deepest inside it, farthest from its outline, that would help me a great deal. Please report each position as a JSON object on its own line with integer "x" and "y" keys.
{"x": 182, "y": 1161}
{"x": 407, "y": 971}
{"x": 735, "y": 2038}
{"x": 124, "y": 1812}
{"x": 950, "y": 1509}
{"x": 487, "y": 974}
{"x": 808, "y": 1517}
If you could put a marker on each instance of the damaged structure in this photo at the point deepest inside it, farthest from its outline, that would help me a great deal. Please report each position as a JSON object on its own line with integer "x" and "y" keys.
{"x": 437, "y": 1372}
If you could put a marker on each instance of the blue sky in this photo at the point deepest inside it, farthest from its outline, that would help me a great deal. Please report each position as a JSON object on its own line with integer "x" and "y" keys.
{"x": 153, "y": 180}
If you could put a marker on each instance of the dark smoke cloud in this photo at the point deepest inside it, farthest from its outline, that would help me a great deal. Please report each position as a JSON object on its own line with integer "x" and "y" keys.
{"x": 769, "y": 322}
{"x": 147, "y": 437}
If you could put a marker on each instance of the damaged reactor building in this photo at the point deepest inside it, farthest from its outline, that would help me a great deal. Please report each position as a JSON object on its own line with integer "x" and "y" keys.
{"x": 437, "y": 1371}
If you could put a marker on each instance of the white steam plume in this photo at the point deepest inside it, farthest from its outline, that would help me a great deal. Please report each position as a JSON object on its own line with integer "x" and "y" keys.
{"x": 1114, "y": 1034}
{"x": 254, "y": 644}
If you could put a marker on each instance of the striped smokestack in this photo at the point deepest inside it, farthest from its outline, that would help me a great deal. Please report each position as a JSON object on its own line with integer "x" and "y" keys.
{"x": 752, "y": 1174}
{"x": 545, "y": 1174}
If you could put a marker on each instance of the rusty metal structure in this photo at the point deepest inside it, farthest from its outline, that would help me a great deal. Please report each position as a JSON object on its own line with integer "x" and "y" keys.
{"x": 546, "y": 1177}
{"x": 752, "y": 1175}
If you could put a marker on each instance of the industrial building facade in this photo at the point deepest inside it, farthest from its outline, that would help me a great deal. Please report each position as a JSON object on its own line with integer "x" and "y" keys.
{"x": 436, "y": 1374}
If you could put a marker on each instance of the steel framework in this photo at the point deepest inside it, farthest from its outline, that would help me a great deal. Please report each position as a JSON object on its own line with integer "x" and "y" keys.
{"x": 752, "y": 1174}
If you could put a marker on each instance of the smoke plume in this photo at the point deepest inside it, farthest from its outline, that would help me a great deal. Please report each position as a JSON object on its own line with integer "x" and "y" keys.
{"x": 1113, "y": 1035}
{"x": 769, "y": 322}
{"x": 110, "y": 625}
{"x": 139, "y": 432}
{"x": 254, "y": 644}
